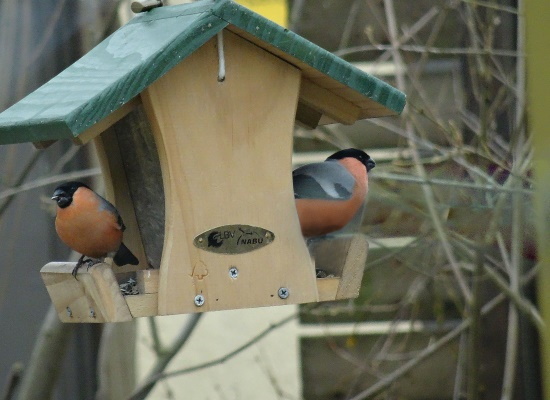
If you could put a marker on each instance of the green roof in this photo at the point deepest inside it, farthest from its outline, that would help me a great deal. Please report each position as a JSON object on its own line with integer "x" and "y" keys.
{"x": 151, "y": 44}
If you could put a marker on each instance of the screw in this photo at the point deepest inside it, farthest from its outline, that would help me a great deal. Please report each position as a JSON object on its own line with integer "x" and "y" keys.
{"x": 268, "y": 235}
{"x": 69, "y": 312}
{"x": 233, "y": 272}
{"x": 201, "y": 240}
{"x": 199, "y": 300}
{"x": 283, "y": 293}
{"x": 92, "y": 313}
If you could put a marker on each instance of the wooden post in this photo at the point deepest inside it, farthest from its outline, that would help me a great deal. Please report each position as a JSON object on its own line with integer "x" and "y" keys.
{"x": 538, "y": 42}
{"x": 225, "y": 152}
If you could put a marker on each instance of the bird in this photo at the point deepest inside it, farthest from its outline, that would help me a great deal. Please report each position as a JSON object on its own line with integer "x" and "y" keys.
{"x": 90, "y": 225}
{"x": 330, "y": 195}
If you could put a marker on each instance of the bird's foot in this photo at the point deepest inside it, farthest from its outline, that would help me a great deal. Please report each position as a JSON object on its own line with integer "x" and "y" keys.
{"x": 90, "y": 262}
{"x": 77, "y": 266}
{"x": 81, "y": 261}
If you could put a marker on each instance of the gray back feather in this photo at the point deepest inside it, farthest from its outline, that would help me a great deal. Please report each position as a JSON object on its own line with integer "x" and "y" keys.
{"x": 327, "y": 180}
{"x": 106, "y": 205}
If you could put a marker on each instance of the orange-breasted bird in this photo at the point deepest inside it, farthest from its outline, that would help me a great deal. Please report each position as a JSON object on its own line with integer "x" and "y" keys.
{"x": 330, "y": 195}
{"x": 90, "y": 225}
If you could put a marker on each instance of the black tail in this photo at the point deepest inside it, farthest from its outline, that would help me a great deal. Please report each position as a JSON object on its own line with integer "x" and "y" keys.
{"x": 124, "y": 256}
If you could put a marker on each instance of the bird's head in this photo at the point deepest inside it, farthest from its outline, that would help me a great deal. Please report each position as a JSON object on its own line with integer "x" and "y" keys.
{"x": 360, "y": 155}
{"x": 63, "y": 194}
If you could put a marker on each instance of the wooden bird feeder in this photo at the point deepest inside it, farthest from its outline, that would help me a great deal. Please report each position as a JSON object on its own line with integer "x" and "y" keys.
{"x": 191, "y": 109}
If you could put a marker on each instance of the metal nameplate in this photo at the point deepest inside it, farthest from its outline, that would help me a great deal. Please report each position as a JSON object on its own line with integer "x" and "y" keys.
{"x": 234, "y": 239}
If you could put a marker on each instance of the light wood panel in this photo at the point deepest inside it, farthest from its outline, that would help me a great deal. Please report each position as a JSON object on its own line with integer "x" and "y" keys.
{"x": 96, "y": 129}
{"x": 342, "y": 258}
{"x": 335, "y": 107}
{"x": 333, "y": 85}
{"x": 225, "y": 150}
{"x": 143, "y": 305}
{"x": 352, "y": 270}
{"x": 93, "y": 297}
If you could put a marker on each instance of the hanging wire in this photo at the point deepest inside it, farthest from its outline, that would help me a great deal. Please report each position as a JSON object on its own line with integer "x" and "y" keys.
{"x": 221, "y": 58}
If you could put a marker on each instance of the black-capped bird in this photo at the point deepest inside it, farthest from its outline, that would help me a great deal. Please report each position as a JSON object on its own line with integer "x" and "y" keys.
{"x": 331, "y": 194}
{"x": 90, "y": 225}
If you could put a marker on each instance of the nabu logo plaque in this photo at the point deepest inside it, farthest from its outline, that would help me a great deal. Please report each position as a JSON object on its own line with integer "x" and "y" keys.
{"x": 234, "y": 239}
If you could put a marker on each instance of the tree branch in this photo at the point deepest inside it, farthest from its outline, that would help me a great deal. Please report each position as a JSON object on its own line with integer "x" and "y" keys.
{"x": 12, "y": 381}
{"x": 157, "y": 371}
{"x": 46, "y": 360}
{"x": 154, "y": 377}
{"x": 426, "y": 189}
{"x": 432, "y": 348}
{"x": 85, "y": 173}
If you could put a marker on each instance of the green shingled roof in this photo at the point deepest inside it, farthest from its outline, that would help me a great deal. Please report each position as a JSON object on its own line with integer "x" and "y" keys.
{"x": 152, "y": 43}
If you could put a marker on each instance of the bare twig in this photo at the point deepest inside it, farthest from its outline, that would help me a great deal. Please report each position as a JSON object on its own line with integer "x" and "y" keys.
{"x": 492, "y": 5}
{"x": 157, "y": 344}
{"x": 35, "y": 156}
{"x": 274, "y": 382}
{"x": 523, "y": 304}
{"x": 350, "y": 21}
{"x": 405, "y": 368}
{"x": 456, "y": 51}
{"x": 46, "y": 35}
{"x": 296, "y": 13}
{"x": 447, "y": 182}
{"x": 116, "y": 363}
{"x": 64, "y": 159}
{"x": 140, "y": 393}
{"x": 157, "y": 371}
{"x": 459, "y": 376}
{"x": 426, "y": 189}
{"x": 520, "y": 302}
{"x": 420, "y": 24}
{"x": 85, "y": 173}
{"x": 12, "y": 381}
{"x": 512, "y": 341}
{"x": 511, "y": 354}
{"x": 46, "y": 359}
{"x": 474, "y": 335}
{"x": 387, "y": 380}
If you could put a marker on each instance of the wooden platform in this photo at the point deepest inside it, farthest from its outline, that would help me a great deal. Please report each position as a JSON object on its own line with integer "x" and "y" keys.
{"x": 98, "y": 294}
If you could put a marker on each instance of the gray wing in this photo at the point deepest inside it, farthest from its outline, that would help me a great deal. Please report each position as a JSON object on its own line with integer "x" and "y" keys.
{"x": 327, "y": 180}
{"x": 106, "y": 205}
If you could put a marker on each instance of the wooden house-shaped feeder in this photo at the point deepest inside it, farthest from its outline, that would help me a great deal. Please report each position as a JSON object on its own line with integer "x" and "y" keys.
{"x": 191, "y": 109}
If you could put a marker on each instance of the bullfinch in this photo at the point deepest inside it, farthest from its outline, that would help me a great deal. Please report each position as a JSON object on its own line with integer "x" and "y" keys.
{"x": 330, "y": 195}
{"x": 90, "y": 225}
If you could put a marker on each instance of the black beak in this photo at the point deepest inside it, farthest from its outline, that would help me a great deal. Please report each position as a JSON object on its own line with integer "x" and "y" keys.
{"x": 370, "y": 164}
{"x": 57, "y": 194}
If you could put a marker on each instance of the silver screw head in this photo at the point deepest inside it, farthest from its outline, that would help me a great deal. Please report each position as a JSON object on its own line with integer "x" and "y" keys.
{"x": 199, "y": 300}
{"x": 283, "y": 292}
{"x": 233, "y": 272}
{"x": 69, "y": 312}
{"x": 92, "y": 313}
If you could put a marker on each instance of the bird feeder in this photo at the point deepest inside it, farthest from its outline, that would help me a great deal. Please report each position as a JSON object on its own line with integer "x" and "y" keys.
{"x": 191, "y": 109}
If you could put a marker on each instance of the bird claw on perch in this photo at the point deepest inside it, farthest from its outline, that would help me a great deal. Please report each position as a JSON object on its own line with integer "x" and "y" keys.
{"x": 89, "y": 262}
